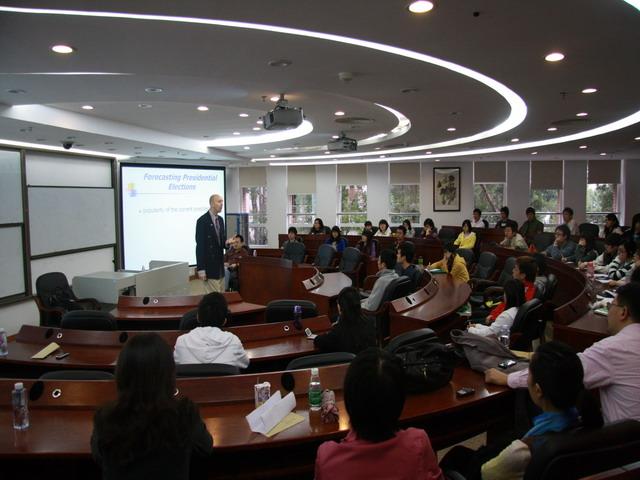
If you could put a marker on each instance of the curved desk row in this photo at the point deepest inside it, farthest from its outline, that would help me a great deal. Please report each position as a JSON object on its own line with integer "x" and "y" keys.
{"x": 269, "y": 346}
{"x": 62, "y": 416}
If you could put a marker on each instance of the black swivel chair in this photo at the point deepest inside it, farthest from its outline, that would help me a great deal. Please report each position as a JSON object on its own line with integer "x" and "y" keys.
{"x": 54, "y": 297}
{"x": 205, "y": 370}
{"x": 468, "y": 256}
{"x": 294, "y": 251}
{"x": 77, "y": 375}
{"x": 542, "y": 240}
{"x": 447, "y": 235}
{"x": 527, "y": 326}
{"x": 485, "y": 267}
{"x": 189, "y": 320}
{"x": 320, "y": 360}
{"x": 324, "y": 257}
{"x": 397, "y": 288}
{"x": 552, "y": 284}
{"x": 351, "y": 264}
{"x": 88, "y": 320}
{"x": 282, "y": 310}
{"x": 480, "y": 286}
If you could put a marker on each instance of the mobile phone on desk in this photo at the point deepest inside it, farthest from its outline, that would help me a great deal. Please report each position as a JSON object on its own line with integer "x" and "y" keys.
{"x": 310, "y": 335}
{"x": 60, "y": 356}
{"x": 465, "y": 392}
{"x": 507, "y": 364}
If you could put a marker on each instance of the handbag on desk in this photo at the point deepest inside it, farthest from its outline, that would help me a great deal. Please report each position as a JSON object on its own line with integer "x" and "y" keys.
{"x": 484, "y": 353}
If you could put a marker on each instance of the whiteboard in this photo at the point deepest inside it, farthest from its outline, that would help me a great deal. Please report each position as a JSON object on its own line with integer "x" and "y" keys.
{"x": 70, "y": 218}
{"x": 10, "y": 187}
{"x": 11, "y": 266}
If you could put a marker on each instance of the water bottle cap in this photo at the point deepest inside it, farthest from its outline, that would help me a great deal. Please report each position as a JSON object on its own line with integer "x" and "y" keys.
{"x": 19, "y": 386}
{"x": 314, "y": 371}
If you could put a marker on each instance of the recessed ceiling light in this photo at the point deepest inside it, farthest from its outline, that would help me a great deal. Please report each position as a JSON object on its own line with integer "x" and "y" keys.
{"x": 153, "y": 90}
{"x": 637, "y": 138}
{"x": 514, "y": 140}
{"x": 236, "y": 133}
{"x": 451, "y": 129}
{"x": 552, "y": 129}
{"x": 427, "y": 153}
{"x": 377, "y": 148}
{"x": 259, "y": 122}
{"x": 272, "y": 156}
{"x": 17, "y": 91}
{"x": 582, "y": 114}
{"x": 87, "y": 107}
{"x": 144, "y": 105}
{"x": 554, "y": 57}
{"x": 339, "y": 113}
{"x": 534, "y": 153}
{"x": 582, "y": 146}
{"x": 243, "y": 115}
{"x": 203, "y": 108}
{"x": 64, "y": 49}
{"x": 335, "y": 136}
{"x": 327, "y": 153}
{"x": 589, "y": 90}
{"x": 247, "y": 148}
{"x": 275, "y": 98}
{"x": 437, "y": 159}
{"x": 603, "y": 154}
{"x": 383, "y": 156}
{"x": 256, "y": 129}
{"x": 420, "y": 6}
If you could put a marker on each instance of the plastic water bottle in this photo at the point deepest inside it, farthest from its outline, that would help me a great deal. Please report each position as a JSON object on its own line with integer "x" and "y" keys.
{"x": 20, "y": 407}
{"x": 315, "y": 390}
{"x": 505, "y": 335}
{"x": 297, "y": 317}
{"x": 420, "y": 261}
{"x": 4, "y": 346}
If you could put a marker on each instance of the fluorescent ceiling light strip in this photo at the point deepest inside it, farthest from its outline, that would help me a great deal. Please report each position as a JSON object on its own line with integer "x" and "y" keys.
{"x": 305, "y": 128}
{"x": 518, "y": 107}
{"x": 610, "y": 127}
{"x": 12, "y": 143}
{"x": 403, "y": 126}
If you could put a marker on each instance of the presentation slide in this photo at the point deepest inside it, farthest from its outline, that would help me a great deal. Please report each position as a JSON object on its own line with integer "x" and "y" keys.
{"x": 160, "y": 205}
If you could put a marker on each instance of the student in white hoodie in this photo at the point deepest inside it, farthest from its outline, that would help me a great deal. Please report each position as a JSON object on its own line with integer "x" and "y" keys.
{"x": 513, "y": 299}
{"x": 208, "y": 343}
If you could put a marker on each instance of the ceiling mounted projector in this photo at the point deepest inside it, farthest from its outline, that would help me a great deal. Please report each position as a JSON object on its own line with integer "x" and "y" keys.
{"x": 283, "y": 117}
{"x": 343, "y": 144}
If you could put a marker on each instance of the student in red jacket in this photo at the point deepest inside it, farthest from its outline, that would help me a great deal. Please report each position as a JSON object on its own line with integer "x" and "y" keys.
{"x": 375, "y": 448}
{"x": 524, "y": 270}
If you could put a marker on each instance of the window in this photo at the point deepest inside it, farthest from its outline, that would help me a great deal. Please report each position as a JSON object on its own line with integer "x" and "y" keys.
{"x": 547, "y": 205}
{"x": 489, "y": 198}
{"x": 301, "y": 210}
{"x": 254, "y": 202}
{"x": 404, "y": 202}
{"x": 602, "y": 198}
{"x": 353, "y": 207}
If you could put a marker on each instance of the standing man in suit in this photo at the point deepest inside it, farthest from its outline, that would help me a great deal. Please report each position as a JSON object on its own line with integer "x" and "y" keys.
{"x": 210, "y": 242}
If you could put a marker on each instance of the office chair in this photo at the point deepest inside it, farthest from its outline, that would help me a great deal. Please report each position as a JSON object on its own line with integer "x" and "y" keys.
{"x": 294, "y": 251}
{"x": 351, "y": 264}
{"x": 189, "y": 320}
{"x": 320, "y": 360}
{"x": 205, "y": 370}
{"x": 479, "y": 286}
{"x": 54, "y": 297}
{"x": 324, "y": 257}
{"x": 88, "y": 320}
{"x": 542, "y": 240}
{"x": 282, "y": 310}
{"x": 527, "y": 326}
{"x": 485, "y": 266}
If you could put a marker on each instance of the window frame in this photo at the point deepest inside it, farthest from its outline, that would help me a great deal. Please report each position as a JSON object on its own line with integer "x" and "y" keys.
{"x": 491, "y": 217}
{"x": 252, "y": 224}
{"x": 290, "y": 214}
{"x": 414, "y": 217}
{"x": 340, "y": 213}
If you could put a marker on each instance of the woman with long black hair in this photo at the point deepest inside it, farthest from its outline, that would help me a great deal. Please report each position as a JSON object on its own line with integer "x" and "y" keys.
{"x": 147, "y": 432}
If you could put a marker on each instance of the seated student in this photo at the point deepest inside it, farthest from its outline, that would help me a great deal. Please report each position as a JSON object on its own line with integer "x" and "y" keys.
{"x": 525, "y": 271}
{"x": 147, "y": 432}
{"x": 601, "y": 263}
{"x": 567, "y": 217}
{"x": 375, "y": 448}
{"x": 336, "y": 240}
{"x": 563, "y": 247}
{"x": 477, "y": 221}
{"x": 632, "y": 275}
{"x": 633, "y": 233}
{"x": 383, "y": 229}
{"x": 512, "y": 301}
{"x": 623, "y": 263}
{"x": 611, "y": 365}
{"x": 208, "y": 343}
{"x": 292, "y": 237}
{"x": 386, "y": 274}
{"x": 467, "y": 238}
{"x": 504, "y": 219}
{"x": 513, "y": 239}
{"x": 452, "y": 263}
{"x": 368, "y": 245}
{"x": 556, "y": 387}
{"x": 400, "y": 235}
{"x": 532, "y": 226}
{"x": 429, "y": 230}
{"x": 352, "y": 332}
{"x": 232, "y": 258}
{"x": 612, "y": 225}
{"x": 319, "y": 228}
{"x": 368, "y": 227}
{"x": 585, "y": 250}
{"x": 410, "y": 233}
{"x": 404, "y": 265}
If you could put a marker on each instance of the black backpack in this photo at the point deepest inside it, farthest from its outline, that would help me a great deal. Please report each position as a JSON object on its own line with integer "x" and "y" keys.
{"x": 428, "y": 365}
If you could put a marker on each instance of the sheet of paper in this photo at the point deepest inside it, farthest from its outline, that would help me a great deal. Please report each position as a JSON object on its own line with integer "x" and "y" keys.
{"x": 287, "y": 422}
{"x": 269, "y": 414}
{"x": 46, "y": 351}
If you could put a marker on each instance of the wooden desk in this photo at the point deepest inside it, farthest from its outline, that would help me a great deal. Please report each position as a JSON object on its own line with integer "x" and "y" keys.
{"x": 58, "y": 438}
{"x": 583, "y": 332}
{"x": 433, "y": 306}
{"x": 268, "y": 346}
{"x": 155, "y": 313}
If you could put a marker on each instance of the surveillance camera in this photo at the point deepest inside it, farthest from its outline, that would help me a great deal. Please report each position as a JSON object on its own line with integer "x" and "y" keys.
{"x": 67, "y": 145}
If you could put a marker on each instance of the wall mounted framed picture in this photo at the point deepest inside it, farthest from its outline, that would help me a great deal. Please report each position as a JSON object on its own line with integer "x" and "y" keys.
{"x": 446, "y": 189}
